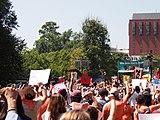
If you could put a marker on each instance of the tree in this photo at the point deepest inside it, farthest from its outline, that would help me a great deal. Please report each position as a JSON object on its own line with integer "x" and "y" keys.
{"x": 49, "y": 38}
{"x": 96, "y": 45}
{"x": 10, "y": 45}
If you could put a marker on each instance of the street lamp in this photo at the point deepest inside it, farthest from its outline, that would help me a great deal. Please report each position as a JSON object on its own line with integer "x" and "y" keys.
{"x": 149, "y": 57}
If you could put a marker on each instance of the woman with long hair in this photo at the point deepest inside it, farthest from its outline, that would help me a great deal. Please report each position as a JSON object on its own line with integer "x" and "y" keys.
{"x": 55, "y": 108}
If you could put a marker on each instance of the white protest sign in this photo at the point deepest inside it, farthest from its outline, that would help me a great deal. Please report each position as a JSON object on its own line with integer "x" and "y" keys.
{"x": 149, "y": 116}
{"x": 39, "y": 76}
{"x": 154, "y": 86}
{"x": 136, "y": 82}
{"x": 58, "y": 87}
{"x": 75, "y": 75}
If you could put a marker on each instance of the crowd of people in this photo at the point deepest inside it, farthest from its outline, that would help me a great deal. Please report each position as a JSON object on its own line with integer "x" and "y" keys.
{"x": 70, "y": 100}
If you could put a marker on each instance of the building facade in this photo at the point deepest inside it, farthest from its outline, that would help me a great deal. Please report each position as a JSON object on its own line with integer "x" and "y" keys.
{"x": 144, "y": 34}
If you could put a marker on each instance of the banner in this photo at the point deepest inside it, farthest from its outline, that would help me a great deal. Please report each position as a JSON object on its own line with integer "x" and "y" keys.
{"x": 129, "y": 66}
{"x": 39, "y": 76}
{"x": 85, "y": 79}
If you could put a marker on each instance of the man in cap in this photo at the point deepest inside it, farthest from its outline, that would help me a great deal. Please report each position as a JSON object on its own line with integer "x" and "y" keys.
{"x": 119, "y": 104}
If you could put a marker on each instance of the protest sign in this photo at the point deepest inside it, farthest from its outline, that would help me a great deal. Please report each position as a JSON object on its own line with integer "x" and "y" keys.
{"x": 39, "y": 76}
{"x": 75, "y": 75}
{"x": 138, "y": 73}
{"x": 153, "y": 86}
{"x": 85, "y": 79}
{"x": 137, "y": 82}
{"x": 149, "y": 116}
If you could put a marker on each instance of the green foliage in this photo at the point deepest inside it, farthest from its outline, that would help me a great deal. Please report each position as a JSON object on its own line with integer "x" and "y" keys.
{"x": 49, "y": 38}
{"x": 95, "y": 41}
{"x": 59, "y": 51}
{"x": 10, "y": 45}
{"x": 7, "y": 16}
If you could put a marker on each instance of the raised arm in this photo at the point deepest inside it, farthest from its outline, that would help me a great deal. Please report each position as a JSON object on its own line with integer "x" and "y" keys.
{"x": 112, "y": 110}
{"x": 11, "y": 95}
{"x": 128, "y": 94}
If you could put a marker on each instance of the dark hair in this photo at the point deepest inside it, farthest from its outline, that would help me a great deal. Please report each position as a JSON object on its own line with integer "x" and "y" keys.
{"x": 140, "y": 99}
{"x": 93, "y": 112}
{"x": 103, "y": 92}
{"x": 148, "y": 98}
{"x": 148, "y": 90}
{"x": 64, "y": 93}
{"x": 137, "y": 89}
{"x": 76, "y": 99}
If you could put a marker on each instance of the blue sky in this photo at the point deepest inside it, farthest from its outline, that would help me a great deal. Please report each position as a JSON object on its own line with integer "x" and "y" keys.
{"x": 115, "y": 14}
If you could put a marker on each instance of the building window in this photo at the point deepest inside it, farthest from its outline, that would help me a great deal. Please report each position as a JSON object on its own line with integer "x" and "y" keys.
{"x": 140, "y": 28}
{"x": 140, "y": 50}
{"x": 133, "y": 52}
{"x": 147, "y": 28}
{"x": 133, "y": 28}
{"x": 155, "y": 28}
{"x": 155, "y": 51}
{"x": 133, "y": 44}
{"x": 155, "y": 42}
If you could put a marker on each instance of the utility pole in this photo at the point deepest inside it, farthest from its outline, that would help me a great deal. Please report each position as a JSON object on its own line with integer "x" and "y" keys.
{"x": 149, "y": 57}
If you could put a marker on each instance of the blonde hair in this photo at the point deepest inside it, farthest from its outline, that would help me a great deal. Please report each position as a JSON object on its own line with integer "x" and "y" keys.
{"x": 75, "y": 115}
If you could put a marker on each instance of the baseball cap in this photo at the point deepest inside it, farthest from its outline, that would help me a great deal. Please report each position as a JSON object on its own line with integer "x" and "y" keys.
{"x": 86, "y": 93}
{"x": 76, "y": 93}
{"x": 114, "y": 90}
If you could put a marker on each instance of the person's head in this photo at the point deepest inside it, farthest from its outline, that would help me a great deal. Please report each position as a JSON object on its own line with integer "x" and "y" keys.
{"x": 110, "y": 97}
{"x": 137, "y": 89}
{"x": 103, "y": 92}
{"x": 76, "y": 96}
{"x": 28, "y": 93}
{"x": 75, "y": 115}
{"x": 140, "y": 99}
{"x": 93, "y": 112}
{"x": 148, "y": 90}
{"x": 148, "y": 98}
{"x": 87, "y": 95}
{"x": 63, "y": 93}
{"x": 115, "y": 92}
{"x": 56, "y": 105}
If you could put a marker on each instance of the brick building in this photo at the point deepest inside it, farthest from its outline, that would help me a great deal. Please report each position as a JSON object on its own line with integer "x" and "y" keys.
{"x": 144, "y": 34}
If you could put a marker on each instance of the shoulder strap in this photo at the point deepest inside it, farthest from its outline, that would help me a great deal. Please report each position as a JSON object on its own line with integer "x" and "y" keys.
{"x": 148, "y": 111}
